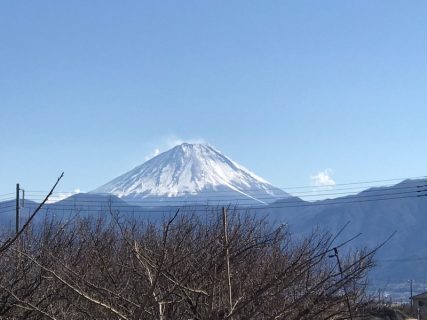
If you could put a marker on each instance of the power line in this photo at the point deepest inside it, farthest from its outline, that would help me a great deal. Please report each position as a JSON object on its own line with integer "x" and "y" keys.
{"x": 408, "y": 259}
{"x": 366, "y": 193}
{"x": 218, "y": 194}
{"x": 257, "y": 191}
{"x": 376, "y": 193}
{"x": 211, "y": 207}
{"x": 296, "y": 187}
{"x": 210, "y": 202}
{"x": 6, "y": 199}
{"x": 6, "y": 194}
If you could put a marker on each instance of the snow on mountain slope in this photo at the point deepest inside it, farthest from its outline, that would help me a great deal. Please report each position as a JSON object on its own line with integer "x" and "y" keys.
{"x": 193, "y": 172}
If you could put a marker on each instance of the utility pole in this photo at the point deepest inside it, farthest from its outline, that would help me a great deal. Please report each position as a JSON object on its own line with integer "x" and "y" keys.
{"x": 342, "y": 277}
{"x": 17, "y": 209}
{"x": 227, "y": 258}
{"x": 23, "y": 198}
{"x": 412, "y": 301}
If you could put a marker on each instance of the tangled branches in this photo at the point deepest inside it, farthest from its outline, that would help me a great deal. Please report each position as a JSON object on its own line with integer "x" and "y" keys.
{"x": 111, "y": 268}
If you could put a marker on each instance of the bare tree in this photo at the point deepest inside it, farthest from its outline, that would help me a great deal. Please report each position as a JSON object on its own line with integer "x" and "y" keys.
{"x": 108, "y": 267}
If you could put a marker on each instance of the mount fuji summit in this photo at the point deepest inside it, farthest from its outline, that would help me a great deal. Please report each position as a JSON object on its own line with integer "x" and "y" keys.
{"x": 192, "y": 173}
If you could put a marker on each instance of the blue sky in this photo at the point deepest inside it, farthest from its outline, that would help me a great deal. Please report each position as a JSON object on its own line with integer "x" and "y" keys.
{"x": 287, "y": 88}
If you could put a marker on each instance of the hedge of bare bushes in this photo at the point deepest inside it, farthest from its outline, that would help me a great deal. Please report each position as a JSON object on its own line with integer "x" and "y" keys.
{"x": 181, "y": 268}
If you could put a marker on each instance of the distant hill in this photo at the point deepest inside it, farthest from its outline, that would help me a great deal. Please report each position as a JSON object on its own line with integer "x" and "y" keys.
{"x": 375, "y": 213}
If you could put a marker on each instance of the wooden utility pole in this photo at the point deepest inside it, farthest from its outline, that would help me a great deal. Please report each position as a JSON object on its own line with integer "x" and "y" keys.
{"x": 227, "y": 258}
{"x": 342, "y": 277}
{"x": 17, "y": 209}
{"x": 412, "y": 301}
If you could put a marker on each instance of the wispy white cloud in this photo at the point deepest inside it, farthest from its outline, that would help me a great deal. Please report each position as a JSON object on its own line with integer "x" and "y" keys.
{"x": 62, "y": 195}
{"x": 152, "y": 154}
{"x": 323, "y": 179}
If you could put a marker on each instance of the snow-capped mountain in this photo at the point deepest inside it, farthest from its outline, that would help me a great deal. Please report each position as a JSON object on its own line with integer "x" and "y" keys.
{"x": 193, "y": 173}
